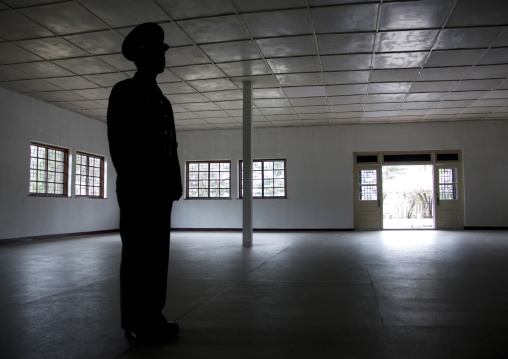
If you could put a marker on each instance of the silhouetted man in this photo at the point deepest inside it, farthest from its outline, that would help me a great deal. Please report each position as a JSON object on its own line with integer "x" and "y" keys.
{"x": 142, "y": 142}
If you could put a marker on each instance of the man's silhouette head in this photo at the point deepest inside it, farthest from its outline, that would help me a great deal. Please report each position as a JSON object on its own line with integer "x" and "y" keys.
{"x": 145, "y": 46}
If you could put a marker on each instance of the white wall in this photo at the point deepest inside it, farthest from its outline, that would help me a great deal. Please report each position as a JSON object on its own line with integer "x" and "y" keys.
{"x": 22, "y": 120}
{"x": 320, "y": 171}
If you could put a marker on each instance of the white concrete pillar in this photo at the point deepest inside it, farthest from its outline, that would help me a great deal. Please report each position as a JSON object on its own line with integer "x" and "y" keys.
{"x": 247, "y": 164}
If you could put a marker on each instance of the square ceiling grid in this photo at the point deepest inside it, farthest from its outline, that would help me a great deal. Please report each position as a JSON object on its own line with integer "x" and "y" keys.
{"x": 312, "y": 62}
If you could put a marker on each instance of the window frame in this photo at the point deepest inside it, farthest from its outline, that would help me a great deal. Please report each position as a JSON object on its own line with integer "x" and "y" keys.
{"x": 87, "y": 186}
{"x": 209, "y": 162}
{"x": 65, "y": 172}
{"x": 240, "y": 178}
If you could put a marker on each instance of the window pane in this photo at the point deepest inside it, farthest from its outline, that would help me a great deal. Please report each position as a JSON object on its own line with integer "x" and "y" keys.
{"x": 203, "y": 166}
{"x": 448, "y": 192}
{"x": 214, "y": 192}
{"x": 193, "y": 167}
{"x": 206, "y": 179}
{"x": 224, "y": 166}
{"x": 368, "y": 193}
{"x": 448, "y": 175}
{"x": 257, "y": 166}
{"x": 368, "y": 177}
{"x": 214, "y": 166}
{"x": 269, "y": 192}
{"x": 203, "y": 193}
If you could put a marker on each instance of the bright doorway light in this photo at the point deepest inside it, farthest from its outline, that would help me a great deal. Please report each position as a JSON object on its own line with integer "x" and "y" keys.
{"x": 408, "y": 194}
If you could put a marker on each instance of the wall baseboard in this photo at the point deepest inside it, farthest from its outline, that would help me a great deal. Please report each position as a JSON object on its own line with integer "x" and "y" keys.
{"x": 262, "y": 229}
{"x": 485, "y": 228}
{"x": 54, "y": 236}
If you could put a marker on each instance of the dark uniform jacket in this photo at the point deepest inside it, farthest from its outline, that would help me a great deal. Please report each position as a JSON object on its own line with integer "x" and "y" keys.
{"x": 142, "y": 140}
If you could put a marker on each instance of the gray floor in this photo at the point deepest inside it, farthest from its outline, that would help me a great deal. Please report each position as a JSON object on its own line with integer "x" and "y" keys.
{"x": 391, "y": 294}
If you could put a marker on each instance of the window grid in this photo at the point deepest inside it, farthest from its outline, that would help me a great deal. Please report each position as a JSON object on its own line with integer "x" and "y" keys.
{"x": 89, "y": 175}
{"x": 268, "y": 178}
{"x": 368, "y": 185}
{"x": 48, "y": 170}
{"x": 448, "y": 184}
{"x": 209, "y": 180}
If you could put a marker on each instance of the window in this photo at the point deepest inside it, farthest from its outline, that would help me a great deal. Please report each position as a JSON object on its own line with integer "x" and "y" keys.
{"x": 448, "y": 184}
{"x": 209, "y": 179}
{"x": 48, "y": 170}
{"x": 368, "y": 185}
{"x": 89, "y": 175}
{"x": 268, "y": 179}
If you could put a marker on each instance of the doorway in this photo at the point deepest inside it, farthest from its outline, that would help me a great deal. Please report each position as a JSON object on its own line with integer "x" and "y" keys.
{"x": 408, "y": 195}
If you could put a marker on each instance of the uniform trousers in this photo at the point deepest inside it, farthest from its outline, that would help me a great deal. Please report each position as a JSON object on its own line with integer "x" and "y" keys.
{"x": 145, "y": 230}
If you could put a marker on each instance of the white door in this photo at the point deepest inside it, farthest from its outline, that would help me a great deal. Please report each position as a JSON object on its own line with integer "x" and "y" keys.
{"x": 449, "y": 201}
{"x": 368, "y": 207}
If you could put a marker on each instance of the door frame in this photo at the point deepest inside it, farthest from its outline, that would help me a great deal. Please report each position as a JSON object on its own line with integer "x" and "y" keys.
{"x": 436, "y": 158}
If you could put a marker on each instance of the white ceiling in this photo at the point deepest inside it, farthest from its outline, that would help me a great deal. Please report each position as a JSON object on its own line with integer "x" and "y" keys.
{"x": 313, "y": 62}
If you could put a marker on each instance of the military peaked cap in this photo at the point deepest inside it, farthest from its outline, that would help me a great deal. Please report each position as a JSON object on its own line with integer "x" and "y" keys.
{"x": 147, "y": 36}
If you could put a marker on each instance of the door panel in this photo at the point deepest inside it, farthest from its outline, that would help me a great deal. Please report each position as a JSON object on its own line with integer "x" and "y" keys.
{"x": 368, "y": 198}
{"x": 449, "y": 202}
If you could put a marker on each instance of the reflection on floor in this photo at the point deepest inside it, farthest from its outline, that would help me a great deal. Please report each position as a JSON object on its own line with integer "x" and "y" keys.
{"x": 387, "y": 294}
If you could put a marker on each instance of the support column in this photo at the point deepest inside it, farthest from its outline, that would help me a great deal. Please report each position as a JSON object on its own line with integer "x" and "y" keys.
{"x": 247, "y": 164}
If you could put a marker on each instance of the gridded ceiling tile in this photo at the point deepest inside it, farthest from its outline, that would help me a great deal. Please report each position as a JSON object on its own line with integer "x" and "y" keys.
{"x": 11, "y": 54}
{"x": 86, "y": 105}
{"x": 346, "y": 62}
{"x": 72, "y": 83}
{"x": 442, "y": 73}
{"x": 98, "y": 43}
{"x": 467, "y": 38}
{"x": 418, "y": 105}
{"x": 432, "y": 86}
{"x": 346, "y": 77}
{"x": 399, "y": 60}
{"x": 455, "y": 104}
{"x": 264, "y": 5}
{"x": 311, "y": 109}
{"x": 379, "y": 114}
{"x": 174, "y": 36}
{"x": 245, "y": 68}
{"x": 474, "y": 13}
{"x": 8, "y": 73}
{"x": 231, "y": 51}
{"x": 345, "y": 90}
{"x": 464, "y": 95}
{"x": 475, "y": 85}
{"x": 118, "y": 62}
{"x": 167, "y": 76}
{"x": 502, "y": 41}
{"x": 496, "y": 94}
{"x": 198, "y": 72}
{"x": 288, "y": 46}
{"x": 344, "y": 100}
{"x": 381, "y": 98}
{"x": 305, "y": 91}
{"x": 93, "y": 94}
{"x": 175, "y": 88}
{"x": 347, "y": 18}
{"x": 407, "y": 15}
{"x": 184, "y": 116}
{"x": 14, "y": 26}
{"x": 196, "y": 8}
{"x": 269, "y": 111}
{"x": 491, "y": 103}
{"x": 121, "y": 13}
{"x": 38, "y": 85}
{"x": 183, "y": 56}
{"x": 393, "y": 41}
{"x": 272, "y": 103}
{"x": 268, "y": 93}
{"x": 401, "y": 75}
{"x": 331, "y": 44}
{"x": 453, "y": 58}
{"x": 279, "y": 23}
{"x": 487, "y": 72}
{"x": 224, "y": 95}
{"x": 357, "y": 107}
{"x": 217, "y": 29}
{"x": 14, "y": 86}
{"x": 382, "y": 106}
{"x": 295, "y": 64}
{"x": 425, "y": 97}
{"x": 203, "y": 106}
{"x": 262, "y": 81}
{"x": 302, "y": 79}
{"x": 58, "y": 96}
{"x": 187, "y": 98}
{"x": 65, "y": 18}
{"x": 412, "y": 113}
{"x": 85, "y": 66}
{"x": 312, "y": 101}
{"x": 52, "y": 48}
{"x": 494, "y": 56}
{"x": 212, "y": 85}
{"x": 212, "y": 114}
{"x": 230, "y": 105}
{"x": 389, "y": 87}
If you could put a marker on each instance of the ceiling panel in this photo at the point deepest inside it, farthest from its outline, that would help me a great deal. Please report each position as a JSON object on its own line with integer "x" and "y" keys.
{"x": 312, "y": 62}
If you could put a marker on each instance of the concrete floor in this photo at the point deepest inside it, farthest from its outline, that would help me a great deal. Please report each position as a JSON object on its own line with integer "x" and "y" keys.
{"x": 389, "y": 294}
